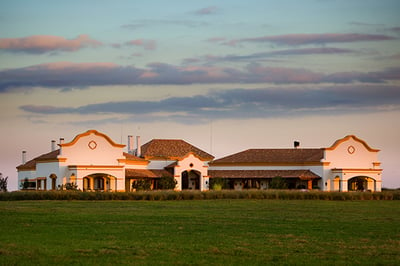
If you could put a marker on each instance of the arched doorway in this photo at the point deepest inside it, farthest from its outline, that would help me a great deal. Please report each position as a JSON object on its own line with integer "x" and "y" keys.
{"x": 361, "y": 183}
{"x": 191, "y": 179}
{"x": 99, "y": 182}
{"x": 53, "y": 178}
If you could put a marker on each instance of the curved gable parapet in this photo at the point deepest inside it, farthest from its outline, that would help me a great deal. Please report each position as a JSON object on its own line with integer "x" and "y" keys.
{"x": 95, "y": 132}
{"x": 340, "y": 141}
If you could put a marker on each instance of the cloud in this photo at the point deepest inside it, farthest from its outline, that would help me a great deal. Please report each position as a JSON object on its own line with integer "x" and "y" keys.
{"x": 246, "y": 103}
{"x": 146, "y": 44}
{"x": 358, "y": 23}
{"x": 318, "y": 39}
{"x": 395, "y": 29}
{"x": 39, "y": 44}
{"x": 263, "y": 55}
{"x": 207, "y": 10}
{"x": 145, "y": 23}
{"x": 66, "y": 74}
{"x": 216, "y": 39}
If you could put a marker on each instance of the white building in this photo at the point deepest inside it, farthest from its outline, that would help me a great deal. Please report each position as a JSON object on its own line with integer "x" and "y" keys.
{"x": 95, "y": 162}
{"x": 348, "y": 165}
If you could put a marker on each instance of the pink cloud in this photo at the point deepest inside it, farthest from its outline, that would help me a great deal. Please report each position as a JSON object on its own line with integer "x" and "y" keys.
{"x": 47, "y": 43}
{"x": 207, "y": 10}
{"x": 146, "y": 44}
{"x": 283, "y": 75}
{"x": 65, "y": 74}
{"x": 216, "y": 39}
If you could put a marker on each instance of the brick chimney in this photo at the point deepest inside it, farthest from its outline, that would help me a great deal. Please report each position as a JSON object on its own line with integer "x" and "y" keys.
{"x": 23, "y": 157}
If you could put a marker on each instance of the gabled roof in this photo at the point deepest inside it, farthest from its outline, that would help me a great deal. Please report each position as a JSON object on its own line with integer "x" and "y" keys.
{"x": 172, "y": 149}
{"x": 273, "y": 156}
{"x": 302, "y": 174}
{"x": 31, "y": 165}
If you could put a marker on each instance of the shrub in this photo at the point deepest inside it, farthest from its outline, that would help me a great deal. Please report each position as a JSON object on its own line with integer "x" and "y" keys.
{"x": 278, "y": 183}
{"x": 198, "y": 195}
{"x": 3, "y": 183}
{"x": 141, "y": 184}
{"x": 167, "y": 182}
{"x": 218, "y": 183}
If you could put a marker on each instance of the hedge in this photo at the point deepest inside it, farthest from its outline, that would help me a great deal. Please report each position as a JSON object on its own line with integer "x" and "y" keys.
{"x": 199, "y": 195}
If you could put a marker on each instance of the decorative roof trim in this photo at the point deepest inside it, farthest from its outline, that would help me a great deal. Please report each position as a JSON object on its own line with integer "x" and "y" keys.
{"x": 266, "y": 164}
{"x": 87, "y": 133}
{"x": 340, "y": 141}
{"x": 89, "y": 167}
{"x": 349, "y": 170}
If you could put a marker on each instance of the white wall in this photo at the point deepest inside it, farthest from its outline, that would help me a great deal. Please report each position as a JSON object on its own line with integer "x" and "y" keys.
{"x": 191, "y": 162}
{"x": 81, "y": 154}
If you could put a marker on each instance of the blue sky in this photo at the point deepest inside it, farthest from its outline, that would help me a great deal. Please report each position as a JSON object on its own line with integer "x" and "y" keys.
{"x": 225, "y": 75}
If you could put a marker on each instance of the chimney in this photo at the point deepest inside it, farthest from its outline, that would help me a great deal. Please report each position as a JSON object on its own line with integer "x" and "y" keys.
{"x": 138, "y": 148}
{"x": 23, "y": 157}
{"x": 53, "y": 145}
{"x": 61, "y": 140}
{"x": 130, "y": 144}
{"x": 296, "y": 144}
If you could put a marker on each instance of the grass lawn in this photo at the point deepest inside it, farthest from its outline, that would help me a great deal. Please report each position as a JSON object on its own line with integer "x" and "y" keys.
{"x": 229, "y": 232}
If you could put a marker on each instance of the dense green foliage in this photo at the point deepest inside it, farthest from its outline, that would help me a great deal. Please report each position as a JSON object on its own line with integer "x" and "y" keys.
{"x": 3, "y": 183}
{"x": 167, "y": 182}
{"x": 141, "y": 184}
{"x": 199, "y": 195}
{"x": 68, "y": 186}
{"x": 207, "y": 232}
{"x": 218, "y": 183}
{"x": 278, "y": 183}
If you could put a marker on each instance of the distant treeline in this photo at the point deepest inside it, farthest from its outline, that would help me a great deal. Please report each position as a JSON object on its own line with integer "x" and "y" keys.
{"x": 199, "y": 195}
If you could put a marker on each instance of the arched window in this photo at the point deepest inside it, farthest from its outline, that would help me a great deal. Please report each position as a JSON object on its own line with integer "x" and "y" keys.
{"x": 53, "y": 178}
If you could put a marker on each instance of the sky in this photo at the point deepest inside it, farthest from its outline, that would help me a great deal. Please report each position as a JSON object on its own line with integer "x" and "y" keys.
{"x": 223, "y": 75}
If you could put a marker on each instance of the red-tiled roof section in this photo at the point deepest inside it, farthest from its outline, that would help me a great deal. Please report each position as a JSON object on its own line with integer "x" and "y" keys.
{"x": 146, "y": 173}
{"x": 302, "y": 174}
{"x": 172, "y": 148}
{"x": 132, "y": 157}
{"x": 31, "y": 165}
{"x": 274, "y": 156}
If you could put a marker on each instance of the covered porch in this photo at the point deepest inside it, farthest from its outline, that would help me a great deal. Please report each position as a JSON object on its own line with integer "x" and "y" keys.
{"x": 99, "y": 182}
{"x": 357, "y": 180}
{"x": 262, "y": 179}
{"x": 148, "y": 177}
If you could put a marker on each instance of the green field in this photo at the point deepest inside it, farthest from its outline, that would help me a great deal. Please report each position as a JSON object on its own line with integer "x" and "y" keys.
{"x": 216, "y": 232}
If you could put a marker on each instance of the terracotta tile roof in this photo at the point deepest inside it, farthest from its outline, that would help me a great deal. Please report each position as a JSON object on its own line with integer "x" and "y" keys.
{"x": 132, "y": 157}
{"x": 274, "y": 156}
{"x": 31, "y": 165}
{"x": 302, "y": 174}
{"x": 149, "y": 173}
{"x": 172, "y": 149}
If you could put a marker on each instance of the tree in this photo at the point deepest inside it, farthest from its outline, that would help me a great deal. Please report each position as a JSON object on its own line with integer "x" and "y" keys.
{"x": 141, "y": 184}
{"x": 167, "y": 182}
{"x": 278, "y": 183}
{"x": 3, "y": 183}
